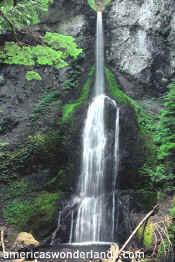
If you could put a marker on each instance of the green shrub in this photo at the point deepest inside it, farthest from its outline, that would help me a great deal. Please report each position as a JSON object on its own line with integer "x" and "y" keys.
{"x": 32, "y": 75}
{"x": 165, "y": 139}
{"x": 59, "y": 47}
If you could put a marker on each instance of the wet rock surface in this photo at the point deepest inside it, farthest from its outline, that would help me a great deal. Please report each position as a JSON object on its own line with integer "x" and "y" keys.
{"x": 140, "y": 42}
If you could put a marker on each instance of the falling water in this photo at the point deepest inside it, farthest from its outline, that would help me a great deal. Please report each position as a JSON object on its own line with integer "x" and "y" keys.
{"x": 95, "y": 219}
{"x": 99, "y": 79}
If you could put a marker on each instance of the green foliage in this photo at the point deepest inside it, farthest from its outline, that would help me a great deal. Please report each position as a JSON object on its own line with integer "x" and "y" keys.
{"x": 172, "y": 211}
{"x": 30, "y": 215}
{"x": 164, "y": 248}
{"x": 58, "y": 41}
{"x": 4, "y": 144}
{"x": 165, "y": 136}
{"x": 74, "y": 74}
{"x": 165, "y": 140}
{"x": 15, "y": 189}
{"x": 68, "y": 109}
{"x": 92, "y": 4}
{"x": 7, "y": 124}
{"x": 32, "y": 75}
{"x": 16, "y": 213}
{"x": 107, "y": 2}
{"x": 22, "y": 13}
{"x": 44, "y": 141}
{"x": 44, "y": 103}
{"x": 14, "y": 54}
{"x": 60, "y": 47}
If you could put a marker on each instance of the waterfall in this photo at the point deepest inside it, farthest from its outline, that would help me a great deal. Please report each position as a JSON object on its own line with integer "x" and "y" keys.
{"x": 95, "y": 218}
{"x": 99, "y": 78}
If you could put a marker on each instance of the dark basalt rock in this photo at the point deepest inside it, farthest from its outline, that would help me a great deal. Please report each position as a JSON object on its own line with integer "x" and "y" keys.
{"x": 130, "y": 148}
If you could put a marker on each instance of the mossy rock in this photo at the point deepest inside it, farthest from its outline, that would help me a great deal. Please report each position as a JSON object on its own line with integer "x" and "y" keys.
{"x": 37, "y": 216}
{"x": 147, "y": 235}
{"x": 145, "y": 121}
{"x": 70, "y": 108}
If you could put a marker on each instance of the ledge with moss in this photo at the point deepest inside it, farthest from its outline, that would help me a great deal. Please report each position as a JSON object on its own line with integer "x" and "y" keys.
{"x": 70, "y": 108}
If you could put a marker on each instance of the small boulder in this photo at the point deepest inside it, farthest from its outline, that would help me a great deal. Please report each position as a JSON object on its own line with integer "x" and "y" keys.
{"x": 25, "y": 240}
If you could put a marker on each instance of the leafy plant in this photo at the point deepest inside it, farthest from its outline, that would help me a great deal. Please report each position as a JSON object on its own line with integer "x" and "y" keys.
{"x": 16, "y": 212}
{"x": 165, "y": 139}
{"x": 32, "y": 75}
{"x": 44, "y": 103}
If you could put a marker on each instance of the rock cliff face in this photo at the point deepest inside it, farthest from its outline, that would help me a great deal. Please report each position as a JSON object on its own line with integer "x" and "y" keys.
{"x": 140, "y": 42}
{"x": 140, "y": 50}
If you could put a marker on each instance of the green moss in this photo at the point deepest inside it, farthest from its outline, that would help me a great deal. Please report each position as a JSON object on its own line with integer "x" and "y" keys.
{"x": 115, "y": 92}
{"x": 148, "y": 234}
{"x": 68, "y": 109}
{"x": 32, "y": 75}
{"x": 34, "y": 214}
{"x": 4, "y": 144}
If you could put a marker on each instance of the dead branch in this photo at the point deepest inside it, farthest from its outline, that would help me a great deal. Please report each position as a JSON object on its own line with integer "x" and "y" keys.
{"x": 2, "y": 241}
{"x": 10, "y": 24}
